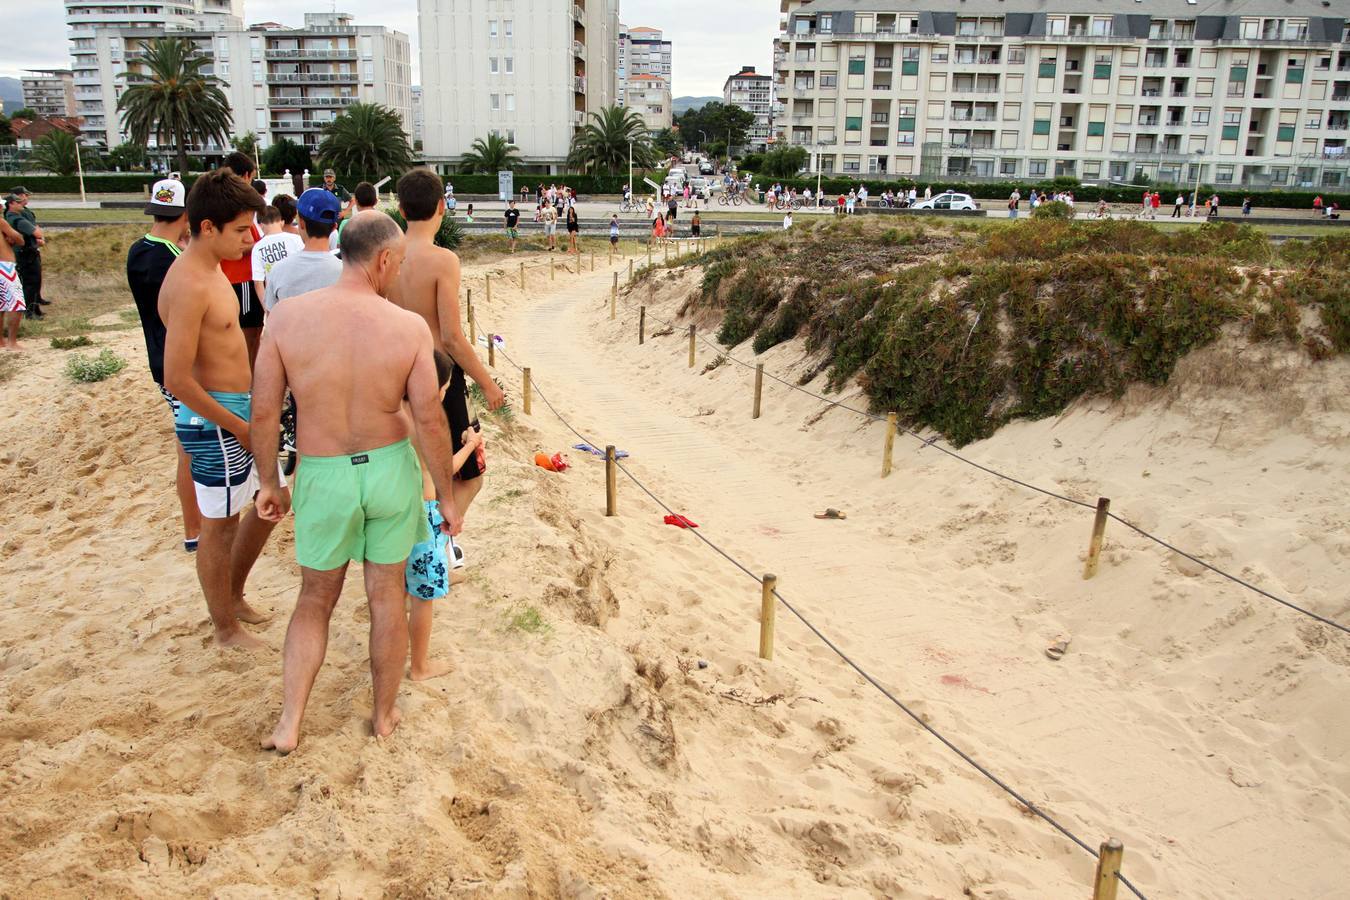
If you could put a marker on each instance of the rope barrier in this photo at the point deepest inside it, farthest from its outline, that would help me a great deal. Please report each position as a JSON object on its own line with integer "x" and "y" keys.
{"x": 839, "y": 652}
{"x": 933, "y": 442}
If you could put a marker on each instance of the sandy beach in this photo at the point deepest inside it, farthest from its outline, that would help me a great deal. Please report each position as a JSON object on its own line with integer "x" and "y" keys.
{"x": 608, "y": 730}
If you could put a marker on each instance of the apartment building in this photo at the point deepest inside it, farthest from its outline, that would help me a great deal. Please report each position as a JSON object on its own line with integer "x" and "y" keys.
{"x": 281, "y": 82}
{"x": 49, "y": 92}
{"x": 753, "y": 93}
{"x": 95, "y": 98}
{"x": 649, "y": 96}
{"x": 1256, "y": 93}
{"x": 642, "y": 51}
{"x": 531, "y": 71}
{"x": 417, "y": 115}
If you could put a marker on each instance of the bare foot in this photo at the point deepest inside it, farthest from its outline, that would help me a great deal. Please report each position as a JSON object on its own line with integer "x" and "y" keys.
{"x": 245, "y": 613}
{"x": 434, "y": 668}
{"x": 239, "y": 639}
{"x": 283, "y": 739}
{"x": 385, "y": 727}
{"x": 457, "y": 576}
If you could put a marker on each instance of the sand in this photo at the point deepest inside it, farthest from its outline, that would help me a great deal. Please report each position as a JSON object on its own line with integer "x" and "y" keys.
{"x": 579, "y": 749}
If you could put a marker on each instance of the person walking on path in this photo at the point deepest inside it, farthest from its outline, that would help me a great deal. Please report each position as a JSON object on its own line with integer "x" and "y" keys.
{"x": 1014, "y": 201}
{"x": 549, "y": 216}
{"x": 148, "y": 262}
{"x": 1176, "y": 207}
{"x": 206, "y": 368}
{"x": 428, "y": 285}
{"x": 350, "y": 358}
{"x": 1246, "y": 206}
{"x": 1213, "y": 207}
{"x": 1317, "y": 206}
{"x": 512, "y": 218}
{"x": 1155, "y": 203}
{"x": 573, "y": 226}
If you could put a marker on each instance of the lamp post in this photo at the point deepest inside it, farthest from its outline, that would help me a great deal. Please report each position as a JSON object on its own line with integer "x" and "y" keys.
{"x": 630, "y": 168}
{"x": 818, "y": 146}
{"x": 1195, "y": 195}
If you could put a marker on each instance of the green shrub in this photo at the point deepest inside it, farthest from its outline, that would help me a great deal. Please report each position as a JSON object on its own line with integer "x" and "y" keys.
{"x": 70, "y": 343}
{"x": 450, "y": 235}
{"x": 94, "y": 368}
{"x": 1055, "y": 209}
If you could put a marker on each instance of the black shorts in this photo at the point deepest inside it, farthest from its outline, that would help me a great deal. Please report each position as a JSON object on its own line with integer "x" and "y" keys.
{"x": 694, "y": 230}
{"x": 572, "y": 227}
{"x": 456, "y": 406}
{"x": 250, "y": 307}
{"x": 613, "y": 238}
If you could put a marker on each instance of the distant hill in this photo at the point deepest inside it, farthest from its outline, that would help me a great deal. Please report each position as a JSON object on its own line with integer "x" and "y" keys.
{"x": 682, "y": 105}
{"x": 11, "y": 94}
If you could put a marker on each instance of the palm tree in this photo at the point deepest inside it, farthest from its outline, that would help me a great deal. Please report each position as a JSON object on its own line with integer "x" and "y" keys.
{"x": 603, "y": 144}
{"x": 366, "y": 140}
{"x": 55, "y": 153}
{"x": 495, "y": 154}
{"x": 173, "y": 100}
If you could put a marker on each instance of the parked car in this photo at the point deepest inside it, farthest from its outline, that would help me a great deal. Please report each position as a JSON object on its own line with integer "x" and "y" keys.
{"x": 705, "y": 168}
{"x": 948, "y": 200}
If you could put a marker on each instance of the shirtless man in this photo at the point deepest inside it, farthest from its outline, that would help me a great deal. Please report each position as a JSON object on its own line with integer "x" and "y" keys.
{"x": 350, "y": 357}
{"x": 429, "y": 286}
{"x": 12, "y": 304}
{"x": 206, "y": 369}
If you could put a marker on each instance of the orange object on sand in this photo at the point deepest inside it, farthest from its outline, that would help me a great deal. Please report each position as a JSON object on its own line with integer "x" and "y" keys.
{"x": 555, "y": 463}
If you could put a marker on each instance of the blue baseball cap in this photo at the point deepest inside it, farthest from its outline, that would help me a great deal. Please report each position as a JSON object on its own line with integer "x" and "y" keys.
{"x": 318, "y": 205}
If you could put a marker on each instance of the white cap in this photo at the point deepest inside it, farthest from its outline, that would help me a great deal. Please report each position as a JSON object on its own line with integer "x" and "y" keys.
{"x": 167, "y": 198}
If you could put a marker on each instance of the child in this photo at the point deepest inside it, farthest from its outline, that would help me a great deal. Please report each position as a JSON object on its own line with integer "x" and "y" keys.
{"x": 428, "y": 572}
{"x": 468, "y": 217}
{"x": 614, "y": 231}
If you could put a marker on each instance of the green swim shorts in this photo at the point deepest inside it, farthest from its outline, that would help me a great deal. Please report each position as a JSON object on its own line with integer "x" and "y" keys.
{"x": 363, "y": 507}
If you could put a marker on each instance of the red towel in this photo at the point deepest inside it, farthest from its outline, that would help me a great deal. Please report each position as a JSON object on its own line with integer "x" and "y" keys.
{"x": 679, "y": 522}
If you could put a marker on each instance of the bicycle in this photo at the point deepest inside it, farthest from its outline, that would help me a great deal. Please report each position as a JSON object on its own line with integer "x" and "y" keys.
{"x": 785, "y": 204}
{"x": 725, "y": 198}
{"x": 630, "y": 206}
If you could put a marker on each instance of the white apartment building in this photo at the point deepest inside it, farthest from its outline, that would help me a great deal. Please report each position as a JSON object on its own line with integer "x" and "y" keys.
{"x": 49, "y": 92}
{"x": 417, "y": 115}
{"x": 753, "y": 93}
{"x": 281, "y": 82}
{"x": 531, "y": 71}
{"x": 642, "y": 51}
{"x": 85, "y": 18}
{"x": 649, "y": 97}
{"x": 1254, "y": 93}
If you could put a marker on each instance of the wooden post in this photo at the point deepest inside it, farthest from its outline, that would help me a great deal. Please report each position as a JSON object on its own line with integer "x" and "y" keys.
{"x": 487, "y": 285}
{"x": 890, "y": 445}
{"x": 649, "y": 254}
{"x": 552, "y": 269}
{"x": 578, "y": 262}
{"x": 642, "y": 325}
{"x": 522, "y": 276}
{"x": 592, "y": 260}
{"x": 611, "y": 254}
{"x": 630, "y": 271}
{"x": 526, "y": 372}
{"x": 667, "y": 246}
{"x": 766, "y": 617}
{"x": 611, "y": 482}
{"x": 492, "y": 350}
{"x": 473, "y": 334}
{"x": 691, "y": 346}
{"x": 759, "y": 388}
{"x": 1108, "y": 870}
{"x": 1098, "y": 529}
{"x": 614, "y": 297}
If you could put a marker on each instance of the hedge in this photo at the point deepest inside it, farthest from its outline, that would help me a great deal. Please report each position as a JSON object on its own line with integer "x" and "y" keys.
{"x": 1000, "y": 190}
{"x": 487, "y": 184}
{"x": 94, "y": 183}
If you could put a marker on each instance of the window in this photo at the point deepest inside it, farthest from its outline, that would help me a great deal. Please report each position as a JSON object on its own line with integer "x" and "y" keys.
{"x": 495, "y": 102}
{"x": 1200, "y": 116}
{"x": 492, "y": 28}
{"x": 492, "y": 65}
{"x": 510, "y": 135}
{"x": 1036, "y": 167}
{"x": 510, "y": 102}
{"x": 1007, "y": 167}
{"x": 826, "y": 23}
{"x": 507, "y": 28}
{"x": 1223, "y": 174}
{"x": 509, "y": 65}
{"x": 1314, "y": 119}
{"x": 829, "y": 79}
{"x": 938, "y": 54}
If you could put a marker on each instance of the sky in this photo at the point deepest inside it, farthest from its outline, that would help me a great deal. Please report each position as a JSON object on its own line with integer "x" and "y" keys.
{"x": 712, "y": 38}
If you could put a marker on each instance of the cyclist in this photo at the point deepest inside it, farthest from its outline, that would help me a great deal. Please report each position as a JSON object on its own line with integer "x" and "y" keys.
{"x": 1103, "y": 210}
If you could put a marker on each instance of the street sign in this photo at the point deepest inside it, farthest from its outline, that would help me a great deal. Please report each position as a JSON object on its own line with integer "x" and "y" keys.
{"x": 506, "y": 185}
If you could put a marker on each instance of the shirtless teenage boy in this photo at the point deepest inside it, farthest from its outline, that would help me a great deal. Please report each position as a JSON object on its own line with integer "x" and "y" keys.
{"x": 206, "y": 368}
{"x": 350, "y": 357}
{"x": 429, "y": 286}
{"x": 12, "y": 304}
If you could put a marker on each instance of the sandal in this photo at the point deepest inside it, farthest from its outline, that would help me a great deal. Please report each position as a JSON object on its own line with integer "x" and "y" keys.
{"x": 832, "y": 513}
{"x": 1056, "y": 650}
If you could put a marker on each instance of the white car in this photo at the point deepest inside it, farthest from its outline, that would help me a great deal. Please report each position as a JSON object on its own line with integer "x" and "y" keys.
{"x": 947, "y": 200}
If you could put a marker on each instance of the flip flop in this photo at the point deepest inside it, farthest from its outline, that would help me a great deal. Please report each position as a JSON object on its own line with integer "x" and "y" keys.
{"x": 190, "y": 545}
{"x": 1057, "y": 650}
{"x": 832, "y": 513}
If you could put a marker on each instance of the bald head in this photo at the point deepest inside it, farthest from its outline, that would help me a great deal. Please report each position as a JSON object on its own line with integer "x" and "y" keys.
{"x": 368, "y": 233}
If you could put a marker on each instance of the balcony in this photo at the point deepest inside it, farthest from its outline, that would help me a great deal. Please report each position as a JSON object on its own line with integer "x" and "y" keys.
{"x": 1169, "y": 37}
{"x": 1079, "y": 37}
{"x": 578, "y": 14}
{"x": 297, "y": 124}
{"x": 578, "y": 49}
{"x": 290, "y": 102}
{"x": 881, "y": 118}
{"x": 278, "y": 53}
{"x": 885, "y": 37}
{"x": 311, "y": 78}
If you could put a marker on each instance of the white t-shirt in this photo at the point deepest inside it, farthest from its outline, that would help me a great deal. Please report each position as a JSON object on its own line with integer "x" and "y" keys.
{"x": 272, "y": 249}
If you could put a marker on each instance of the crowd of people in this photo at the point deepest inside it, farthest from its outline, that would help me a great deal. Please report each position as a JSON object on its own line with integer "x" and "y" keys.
{"x": 358, "y": 333}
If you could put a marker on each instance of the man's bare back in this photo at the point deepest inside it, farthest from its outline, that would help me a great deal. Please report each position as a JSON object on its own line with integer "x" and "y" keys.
{"x": 428, "y": 285}
{"x": 347, "y": 358}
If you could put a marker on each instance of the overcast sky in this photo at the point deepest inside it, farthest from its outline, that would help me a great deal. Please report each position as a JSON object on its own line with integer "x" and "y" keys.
{"x": 712, "y": 37}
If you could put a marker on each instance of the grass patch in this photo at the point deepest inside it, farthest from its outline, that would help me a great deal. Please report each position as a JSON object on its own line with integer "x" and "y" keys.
{"x": 86, "y": 369}
{"x": 506, "y": 496}
{"x": 70, "y": 343}
{"x": 111, "y": 216}
{"x": 527, "y": 620}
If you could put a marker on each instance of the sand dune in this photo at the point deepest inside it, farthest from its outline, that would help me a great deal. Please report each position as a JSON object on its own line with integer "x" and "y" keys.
{"x": 579, "y": 750}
